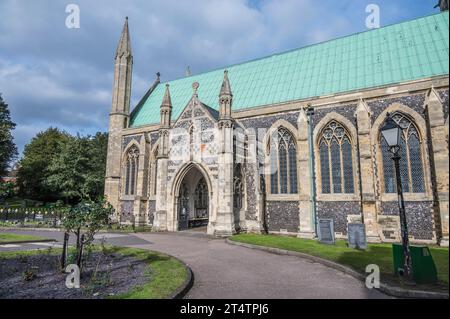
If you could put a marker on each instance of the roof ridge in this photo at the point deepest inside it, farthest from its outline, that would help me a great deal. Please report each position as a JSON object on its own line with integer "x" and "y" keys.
{"x": 304, "y": 47}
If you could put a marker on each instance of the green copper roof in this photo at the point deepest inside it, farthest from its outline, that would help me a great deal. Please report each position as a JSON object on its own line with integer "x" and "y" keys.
{"x": 402, "y": 52}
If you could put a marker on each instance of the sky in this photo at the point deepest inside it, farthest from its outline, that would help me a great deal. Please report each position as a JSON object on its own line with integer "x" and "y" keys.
{"x": 54, "y": 76}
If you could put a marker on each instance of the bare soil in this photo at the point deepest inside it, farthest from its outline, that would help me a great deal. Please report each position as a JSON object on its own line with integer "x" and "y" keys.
{"x": 40, "y": 277}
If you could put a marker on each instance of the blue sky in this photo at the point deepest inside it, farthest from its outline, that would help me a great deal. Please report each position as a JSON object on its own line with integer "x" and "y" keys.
{"x": 54, "y": 76}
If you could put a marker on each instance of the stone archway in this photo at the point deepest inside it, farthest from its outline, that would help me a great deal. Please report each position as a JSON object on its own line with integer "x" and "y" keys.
{"x": 192, "y": 200}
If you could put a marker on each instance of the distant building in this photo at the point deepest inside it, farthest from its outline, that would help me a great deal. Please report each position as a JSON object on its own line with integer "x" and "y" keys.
{"x": 230, "y": 148}
{"x": 12, "y": 174}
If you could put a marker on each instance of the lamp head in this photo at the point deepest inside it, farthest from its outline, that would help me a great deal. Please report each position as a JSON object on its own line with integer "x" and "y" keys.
{"x": 391, "y": 132}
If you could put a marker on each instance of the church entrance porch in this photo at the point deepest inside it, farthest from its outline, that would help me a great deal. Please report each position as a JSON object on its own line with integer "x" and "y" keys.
{"x": 193, "y": 202}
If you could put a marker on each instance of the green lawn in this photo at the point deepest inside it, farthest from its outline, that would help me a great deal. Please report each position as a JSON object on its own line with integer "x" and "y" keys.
{"x": 379, "y": 254}
{"x": 165, "y": 274}
{"x": 9, "y": 238}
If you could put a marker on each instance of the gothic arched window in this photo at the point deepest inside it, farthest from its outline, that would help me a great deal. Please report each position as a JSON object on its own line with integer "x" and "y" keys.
{"x": 131, "y": 170}
{"x": 411, "y": 165}
{"x": 336, "y": 160}
{"x": 283, "y": 163}
{"x": 201, "y": 199}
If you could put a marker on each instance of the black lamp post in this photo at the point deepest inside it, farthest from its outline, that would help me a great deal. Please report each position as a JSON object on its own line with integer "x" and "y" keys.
{"x": 392, "y": 134}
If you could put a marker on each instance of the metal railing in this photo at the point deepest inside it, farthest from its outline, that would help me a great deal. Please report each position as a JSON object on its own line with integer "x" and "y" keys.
{"x": 29, "y": 217}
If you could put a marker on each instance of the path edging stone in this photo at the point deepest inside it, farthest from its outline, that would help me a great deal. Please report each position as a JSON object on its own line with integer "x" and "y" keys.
{"x": 387, "y": 289}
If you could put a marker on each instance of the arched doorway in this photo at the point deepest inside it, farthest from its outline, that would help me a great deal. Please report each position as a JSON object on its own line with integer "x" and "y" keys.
{"x": 193, "y": 201}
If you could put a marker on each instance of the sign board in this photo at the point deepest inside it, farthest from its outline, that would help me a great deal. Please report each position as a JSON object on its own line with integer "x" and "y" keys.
{"x": 356, "y": 233}
{"x": 326, "y": 231}
{"x": 39, "y": 217}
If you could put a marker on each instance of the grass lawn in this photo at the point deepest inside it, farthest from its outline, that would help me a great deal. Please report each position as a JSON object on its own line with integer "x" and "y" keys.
{"x": 164, "y": 273}
{"x": 9, "y": 238}
{"x": 379, "y": 254}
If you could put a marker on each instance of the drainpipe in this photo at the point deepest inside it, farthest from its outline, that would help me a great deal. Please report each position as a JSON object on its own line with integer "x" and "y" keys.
{"x": 310, "y": 113}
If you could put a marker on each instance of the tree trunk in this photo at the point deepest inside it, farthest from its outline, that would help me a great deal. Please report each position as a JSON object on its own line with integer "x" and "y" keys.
{"x": 64, "y": 252}
{"x": 80, "y": 252}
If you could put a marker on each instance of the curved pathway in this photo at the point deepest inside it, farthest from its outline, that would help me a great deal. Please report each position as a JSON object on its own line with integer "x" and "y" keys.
{"x": 224, "y": 271}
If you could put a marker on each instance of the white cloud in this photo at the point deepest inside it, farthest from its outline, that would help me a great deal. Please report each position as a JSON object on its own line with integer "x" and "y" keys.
{"x": 51, "y": 75}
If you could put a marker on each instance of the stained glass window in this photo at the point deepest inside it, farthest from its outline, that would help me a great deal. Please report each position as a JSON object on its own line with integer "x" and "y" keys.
{"x": 273, "y": 170}
{"x": 336, "y": 160}
{"x": 347, "y": 160}
{"x": 283, "y": 161}
{"x": 131, "y": 170}
{"x": 411, "y": 164}
{"x": 325, "y": 168}
{"x": 293, "y": 172}
{"x": 336, "y": 166}
{"x": 201, "y": 199}
{"x": 283, "y": 168}
{"x": 388, "y": 168}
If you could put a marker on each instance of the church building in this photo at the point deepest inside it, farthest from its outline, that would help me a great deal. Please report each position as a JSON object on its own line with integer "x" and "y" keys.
{"x": 275, "y": 144}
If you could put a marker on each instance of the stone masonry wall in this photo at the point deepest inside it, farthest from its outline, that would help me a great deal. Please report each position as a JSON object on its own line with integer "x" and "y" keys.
{"x": 282, "y": 215}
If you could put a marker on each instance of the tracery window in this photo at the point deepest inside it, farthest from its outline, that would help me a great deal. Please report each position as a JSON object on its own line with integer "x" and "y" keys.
{"x": 336, "y": 160}
{"x": 411, "y": 165}
{"x": 283, "y": 163}
{"x": 201, "y": 199}
{"x": 131, "y": 170}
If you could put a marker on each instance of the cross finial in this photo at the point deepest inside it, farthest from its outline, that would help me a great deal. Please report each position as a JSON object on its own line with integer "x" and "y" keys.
{"x": 195, "y": 87}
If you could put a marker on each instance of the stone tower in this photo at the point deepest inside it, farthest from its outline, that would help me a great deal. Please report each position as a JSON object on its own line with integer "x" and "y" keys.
{"x": 225, "y": 216}
{"x": 119, "y": 116}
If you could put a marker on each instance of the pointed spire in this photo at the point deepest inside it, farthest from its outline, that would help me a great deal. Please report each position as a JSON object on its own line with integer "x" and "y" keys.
{"x": 188, "y": 71}
{"x": 124, "y": 46}
{"x": 226, "y": 88}
{"x": 167, "y": 100}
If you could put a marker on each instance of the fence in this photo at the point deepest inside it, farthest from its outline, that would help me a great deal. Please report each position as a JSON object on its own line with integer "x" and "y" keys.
{"x": 24, "y": 217}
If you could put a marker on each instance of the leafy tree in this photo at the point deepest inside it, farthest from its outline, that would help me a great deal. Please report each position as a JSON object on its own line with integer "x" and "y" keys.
{"x": 78, "y": 171}
{"x": 85, "y": 220}
{"x": 6, "y": 190}
{"x": 98, "y": 148}
{"x": 33, "y": 167}
{"x": 68, "y": 170}
{"x": 8, "y": 150}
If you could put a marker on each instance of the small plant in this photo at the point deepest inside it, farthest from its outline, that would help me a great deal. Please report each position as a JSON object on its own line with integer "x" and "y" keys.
{"x": 29, "y": 275}
{"x": 89, "y": 215}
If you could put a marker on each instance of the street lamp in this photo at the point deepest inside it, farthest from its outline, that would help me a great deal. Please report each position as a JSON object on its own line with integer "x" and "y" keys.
{"x": 392, "y": 134}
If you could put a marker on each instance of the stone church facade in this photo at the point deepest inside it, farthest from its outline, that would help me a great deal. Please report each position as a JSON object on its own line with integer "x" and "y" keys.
{"x": 274, "y": 144}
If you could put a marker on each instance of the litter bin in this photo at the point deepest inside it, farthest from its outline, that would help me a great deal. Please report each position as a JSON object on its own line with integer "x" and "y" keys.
{"x": 423, "y": 267}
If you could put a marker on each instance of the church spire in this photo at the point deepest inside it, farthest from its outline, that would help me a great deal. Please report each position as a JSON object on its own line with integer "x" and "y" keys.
{"x": 124, "y": 46}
